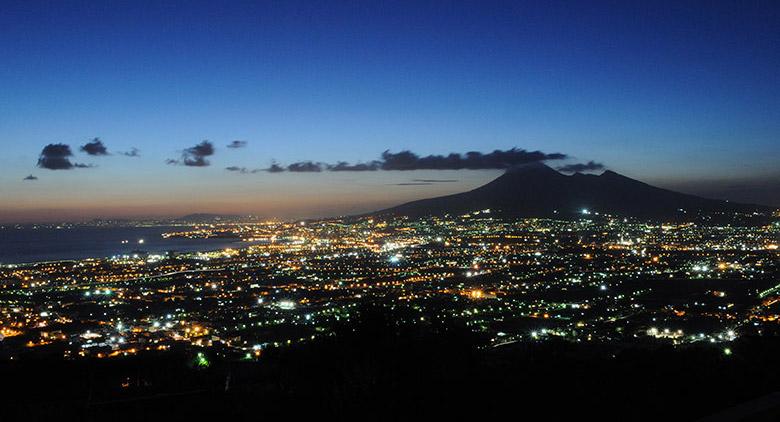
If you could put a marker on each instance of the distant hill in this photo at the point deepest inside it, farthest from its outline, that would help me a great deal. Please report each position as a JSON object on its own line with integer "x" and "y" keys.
{"x": 207, "y": 218}
{"x": 536, "y": 190}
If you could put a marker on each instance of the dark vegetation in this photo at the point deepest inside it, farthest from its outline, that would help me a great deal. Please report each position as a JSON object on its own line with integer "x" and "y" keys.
{"x": 379, "y": 370}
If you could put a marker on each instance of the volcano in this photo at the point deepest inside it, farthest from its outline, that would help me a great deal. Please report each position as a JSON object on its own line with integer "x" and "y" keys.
{"x": 536, "y": 190}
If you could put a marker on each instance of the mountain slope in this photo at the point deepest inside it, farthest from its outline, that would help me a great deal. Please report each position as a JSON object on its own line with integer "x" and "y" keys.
{"x": 536, "y": 190}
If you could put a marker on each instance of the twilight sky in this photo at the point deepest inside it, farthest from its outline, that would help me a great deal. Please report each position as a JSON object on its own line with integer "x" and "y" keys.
{"x": 684, "y": 95}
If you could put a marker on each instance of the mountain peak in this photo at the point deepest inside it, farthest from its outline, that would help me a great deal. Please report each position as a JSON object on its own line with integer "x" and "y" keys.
{"x": 610, "y": 173}
{"x": 536, "y": 190}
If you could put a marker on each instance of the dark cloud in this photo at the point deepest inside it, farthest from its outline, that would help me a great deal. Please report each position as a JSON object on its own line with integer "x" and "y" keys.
{"x": 242, "y": 170}
{"x": 435, "y": 180}
{"x": 237, "y": 144}
{"x": 30, "y": 177}
{"x": 94, "y": 147}
{"x": 275, "y": 168}
{"x": 498, "y": 159}
{"x": 345, "y": 166}
{"x": 134, "y": 152}
{"x": 305, "y": 167}
{"x": 589, "y": 166}
{"x": 237, "y": 169}
{"x": 57, "y": 157}
{"x": 412, "y": 184}
{"x": 195, "y": 156}
{"x": 407, "y": 160}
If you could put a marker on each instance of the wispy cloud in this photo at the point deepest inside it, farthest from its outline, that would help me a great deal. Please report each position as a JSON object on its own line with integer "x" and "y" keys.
{"x": 195, "y": 156}
{"x": 345, "y": 166}
{"x": 498, "y": 159}
{"x": 242, "y": 170}
{"x": 237, "y": 144}
{"x": 134, "y": 152}
{"x": 305, "y": 167}
{"x": 589, "y": 166}
{"x": 407, "y": 160}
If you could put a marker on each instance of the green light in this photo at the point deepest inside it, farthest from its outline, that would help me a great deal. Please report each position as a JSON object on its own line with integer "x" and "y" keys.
{"x": 202, "y": 361}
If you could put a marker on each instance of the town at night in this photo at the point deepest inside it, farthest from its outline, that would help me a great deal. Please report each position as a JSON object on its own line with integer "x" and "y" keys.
{"x": 389, "y": 210}
{"x": 596, "y": 278}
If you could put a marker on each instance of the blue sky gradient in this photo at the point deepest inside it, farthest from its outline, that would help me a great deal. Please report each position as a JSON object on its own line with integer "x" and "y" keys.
{"x": 681, "y": 94}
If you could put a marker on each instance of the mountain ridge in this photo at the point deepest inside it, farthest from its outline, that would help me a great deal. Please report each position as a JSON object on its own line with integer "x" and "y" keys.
{"x": 537, "y": 190}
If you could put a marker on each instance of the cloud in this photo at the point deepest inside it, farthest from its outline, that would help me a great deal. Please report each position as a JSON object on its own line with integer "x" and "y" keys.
{"x": 305, "y": 167}
{"x": 134, "y": 152}
{"x": 345, "y": 166}
{"x": 30, "y": 177}
{"x": 589, "y": 166}
{"x": 237, "y": 144}
{"x": 407, "y": 160}
{"x": 412, "y": 184}
{"x": 236, "y": 169}
{"x": 195, "y": 156}
{"x": 435, "y": 180}
{"x": 57, "y": 157}
{"x": 242, "y": 170}
{"x": 498, "y": 159}
{"x": 94, "y": 147}
{"x": 404, "y": 160}
{"x": 275, "y": 168}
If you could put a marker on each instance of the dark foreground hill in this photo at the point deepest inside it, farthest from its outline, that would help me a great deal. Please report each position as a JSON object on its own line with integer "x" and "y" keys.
{"x": 379, "y": 371}
{"x": 537, "y": 190}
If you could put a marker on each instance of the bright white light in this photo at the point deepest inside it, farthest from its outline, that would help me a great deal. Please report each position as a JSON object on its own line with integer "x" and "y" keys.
{"x": 287, "y": 304}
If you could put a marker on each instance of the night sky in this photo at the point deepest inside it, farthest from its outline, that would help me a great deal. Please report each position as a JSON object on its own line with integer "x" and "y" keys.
{"x": 681, "y": 95}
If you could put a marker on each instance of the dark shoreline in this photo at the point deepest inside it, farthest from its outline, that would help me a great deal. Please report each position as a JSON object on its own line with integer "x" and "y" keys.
{"x": 31, "y": 246}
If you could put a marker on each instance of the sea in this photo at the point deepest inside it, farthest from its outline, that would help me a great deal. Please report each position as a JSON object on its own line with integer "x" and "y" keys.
{"x": 28, "y": 244}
